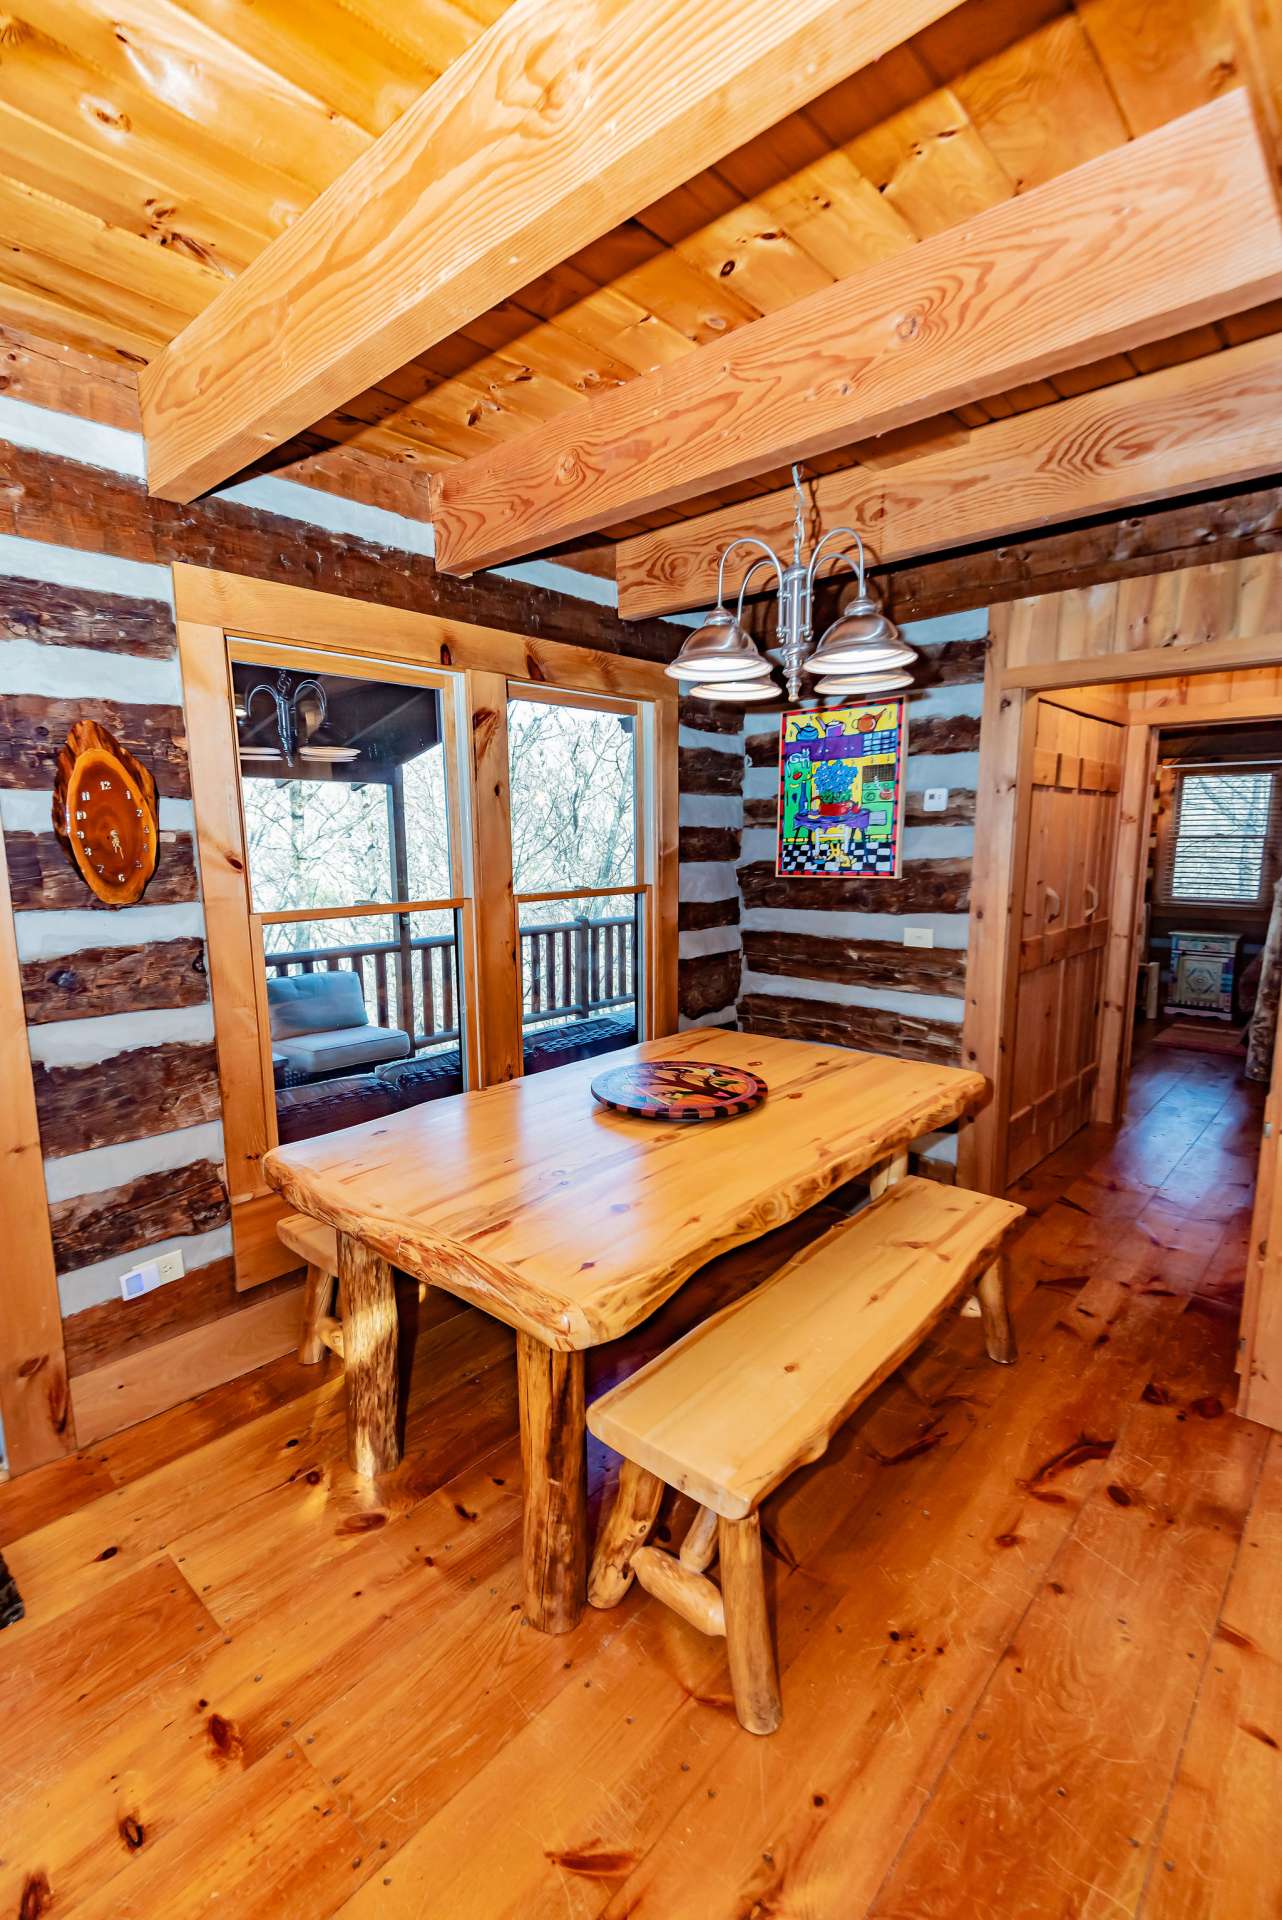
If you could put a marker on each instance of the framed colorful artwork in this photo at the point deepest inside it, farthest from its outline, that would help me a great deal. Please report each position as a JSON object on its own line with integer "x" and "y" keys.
{"x": 841, "y": 790}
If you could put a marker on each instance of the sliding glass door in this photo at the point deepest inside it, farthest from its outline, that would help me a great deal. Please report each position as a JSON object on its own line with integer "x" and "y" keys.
{"x": 577, "y": 874}
{"x": 348, "y": 792}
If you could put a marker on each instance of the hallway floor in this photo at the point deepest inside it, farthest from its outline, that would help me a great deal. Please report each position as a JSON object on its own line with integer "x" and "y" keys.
{"x": 1029, "y": 1637}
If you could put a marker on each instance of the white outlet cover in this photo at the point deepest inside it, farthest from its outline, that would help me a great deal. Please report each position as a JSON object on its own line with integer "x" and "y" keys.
{"x": 170, "y": 1265}
{"x": 919, "y": 936}
{"x": 935, "y": 800}
{"x": 139, "y": 1280}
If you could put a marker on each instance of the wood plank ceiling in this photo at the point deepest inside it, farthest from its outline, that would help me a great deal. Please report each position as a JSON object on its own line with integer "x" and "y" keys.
{"x": 147, "y": 156}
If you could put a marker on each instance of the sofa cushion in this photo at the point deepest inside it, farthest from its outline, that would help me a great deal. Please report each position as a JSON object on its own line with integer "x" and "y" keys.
{"x": 316, "y": 1003}
{"x": 303, "y": 1112}
{"x": 430, "y": 1077}
{"x": 343, "y": 1047}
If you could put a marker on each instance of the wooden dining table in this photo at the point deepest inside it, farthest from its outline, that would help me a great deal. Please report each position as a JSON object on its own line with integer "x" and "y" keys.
{"x": 573, "y": 1223}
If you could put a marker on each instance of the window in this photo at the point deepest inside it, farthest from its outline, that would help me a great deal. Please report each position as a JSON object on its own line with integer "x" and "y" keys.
{"x": 573, "y": 776}
{"x": 1220, "y": 851}
{"x": 347, "y": 833}
{"x": 388, "y": 810}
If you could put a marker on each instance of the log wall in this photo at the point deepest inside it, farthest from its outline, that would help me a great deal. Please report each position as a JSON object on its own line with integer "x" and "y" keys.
{"x": 119, "y": 1022}
{"x": 825, "y": 960}
{"x": 710, "y": 752}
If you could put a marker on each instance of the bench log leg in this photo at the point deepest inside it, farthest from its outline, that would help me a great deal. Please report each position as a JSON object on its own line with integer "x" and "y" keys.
{"x": 625, "y": 1528}
{"x": 888, "y": 1174}
{"x": 999, "y": 1336}
{"x": 699, "y": 1548}
{"x": 369, "y": 1357}
{"x": 554, "y": 1459}
{"x": 317, "y": 1289}
{"x": 753, "y": 1674}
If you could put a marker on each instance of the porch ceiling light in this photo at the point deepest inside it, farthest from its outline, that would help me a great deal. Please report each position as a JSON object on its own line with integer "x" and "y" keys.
{"x": 302, "y": 721}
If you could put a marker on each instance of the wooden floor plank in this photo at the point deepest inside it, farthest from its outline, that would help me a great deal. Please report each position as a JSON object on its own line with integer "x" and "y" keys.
{"x": 272, "y": 1842}
{"x": 64, "y": 1687}
{"x": 256, "y": 1474}
{"x": 250, "y": 1683}
{"x": 1217, "y": 1855}
{"x": 1054, "y": 1788}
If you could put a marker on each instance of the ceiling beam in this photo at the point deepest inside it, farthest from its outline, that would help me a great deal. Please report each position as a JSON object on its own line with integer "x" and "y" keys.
{"x": 565, "y": 118}
{"x": 1205, "y": 423}
{"x": 1173, "y": 230}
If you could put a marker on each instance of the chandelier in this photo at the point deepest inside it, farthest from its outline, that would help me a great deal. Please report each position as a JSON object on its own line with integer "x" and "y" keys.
{"x": 862, "y": 652}
{"x": 302, "y": 722}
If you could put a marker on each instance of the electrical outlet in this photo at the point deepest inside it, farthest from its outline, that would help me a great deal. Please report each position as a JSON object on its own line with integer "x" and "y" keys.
{"x": 919, "y": 936}
{"x": 935, "y": 800}
{"x": 150, "y": 1275}
{"x": 139, "y": 1280}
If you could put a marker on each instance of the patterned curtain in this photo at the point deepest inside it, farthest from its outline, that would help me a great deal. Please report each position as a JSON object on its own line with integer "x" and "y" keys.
{"x": 1264, "y": 1020}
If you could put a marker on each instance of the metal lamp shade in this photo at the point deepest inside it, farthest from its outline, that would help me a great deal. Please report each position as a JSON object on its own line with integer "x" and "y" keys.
{"x": 743, "y": 690}
{"x": 719, "y": 650}
{"x": 836, "y": 654}
{"x": 872, "y": 683}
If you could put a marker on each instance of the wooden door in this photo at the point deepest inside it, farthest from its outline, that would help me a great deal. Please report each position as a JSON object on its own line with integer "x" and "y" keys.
{"x": 1063, "y": 893}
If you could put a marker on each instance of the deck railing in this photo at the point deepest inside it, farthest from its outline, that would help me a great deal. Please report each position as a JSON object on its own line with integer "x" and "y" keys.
{"x": 570, "y": 970}
{"x": 577, "y": 968}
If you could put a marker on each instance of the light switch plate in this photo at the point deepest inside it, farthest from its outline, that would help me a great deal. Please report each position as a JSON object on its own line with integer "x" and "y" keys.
{"x": 919, "y": 936}
{"x": 935, "y": 800}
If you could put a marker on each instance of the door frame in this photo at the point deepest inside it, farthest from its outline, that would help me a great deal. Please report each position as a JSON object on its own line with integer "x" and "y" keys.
{"x": 1006, "y": 745}
{"x": 1007, "y": 731}
{"x": 474, "y": 669}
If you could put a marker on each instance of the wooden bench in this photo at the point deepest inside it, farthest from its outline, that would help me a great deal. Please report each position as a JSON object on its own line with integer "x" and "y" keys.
{"x": 317, "y": 1245}
{"x": 758, "y": 1390}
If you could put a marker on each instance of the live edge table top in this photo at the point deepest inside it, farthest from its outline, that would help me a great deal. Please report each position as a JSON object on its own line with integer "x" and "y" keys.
{"x": 572, "y": 1223}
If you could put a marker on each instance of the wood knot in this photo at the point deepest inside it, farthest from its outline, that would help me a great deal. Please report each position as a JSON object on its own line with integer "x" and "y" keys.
{"x": 37, "y": 1897}
{"x": 362, "y": 1523}
{"x": 132, "y": 1832}
{"x": 225, "y": 1738}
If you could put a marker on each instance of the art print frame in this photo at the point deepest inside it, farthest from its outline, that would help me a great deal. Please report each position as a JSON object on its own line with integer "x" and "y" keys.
{"x": 842, "y": 790}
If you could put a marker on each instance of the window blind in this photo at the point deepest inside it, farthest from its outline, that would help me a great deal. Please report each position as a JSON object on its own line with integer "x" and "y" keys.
{"x": 1222, "y": 850}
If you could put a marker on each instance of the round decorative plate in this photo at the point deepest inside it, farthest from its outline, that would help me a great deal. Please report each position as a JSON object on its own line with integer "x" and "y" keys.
{"x": 686, "y": 1090}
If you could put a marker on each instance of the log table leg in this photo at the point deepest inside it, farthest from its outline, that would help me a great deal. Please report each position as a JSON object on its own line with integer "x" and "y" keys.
{"x": 554, "y": 1459}
{"x": 368, "y": 1294}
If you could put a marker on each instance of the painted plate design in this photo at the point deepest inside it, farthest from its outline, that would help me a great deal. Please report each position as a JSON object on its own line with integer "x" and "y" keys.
{"x": 685, "y": 1090}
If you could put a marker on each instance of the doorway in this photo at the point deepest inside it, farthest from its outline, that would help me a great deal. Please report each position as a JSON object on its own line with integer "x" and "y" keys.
{"x": 1185, "y": 897}
{"x": 1177, "y": 858}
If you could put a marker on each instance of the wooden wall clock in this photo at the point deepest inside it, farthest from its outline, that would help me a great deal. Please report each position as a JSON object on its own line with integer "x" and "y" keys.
{"x": 104, "y": 813}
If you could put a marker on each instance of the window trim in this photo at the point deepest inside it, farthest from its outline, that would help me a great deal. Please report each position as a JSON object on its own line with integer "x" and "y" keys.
{"x": 221, "y": 617}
